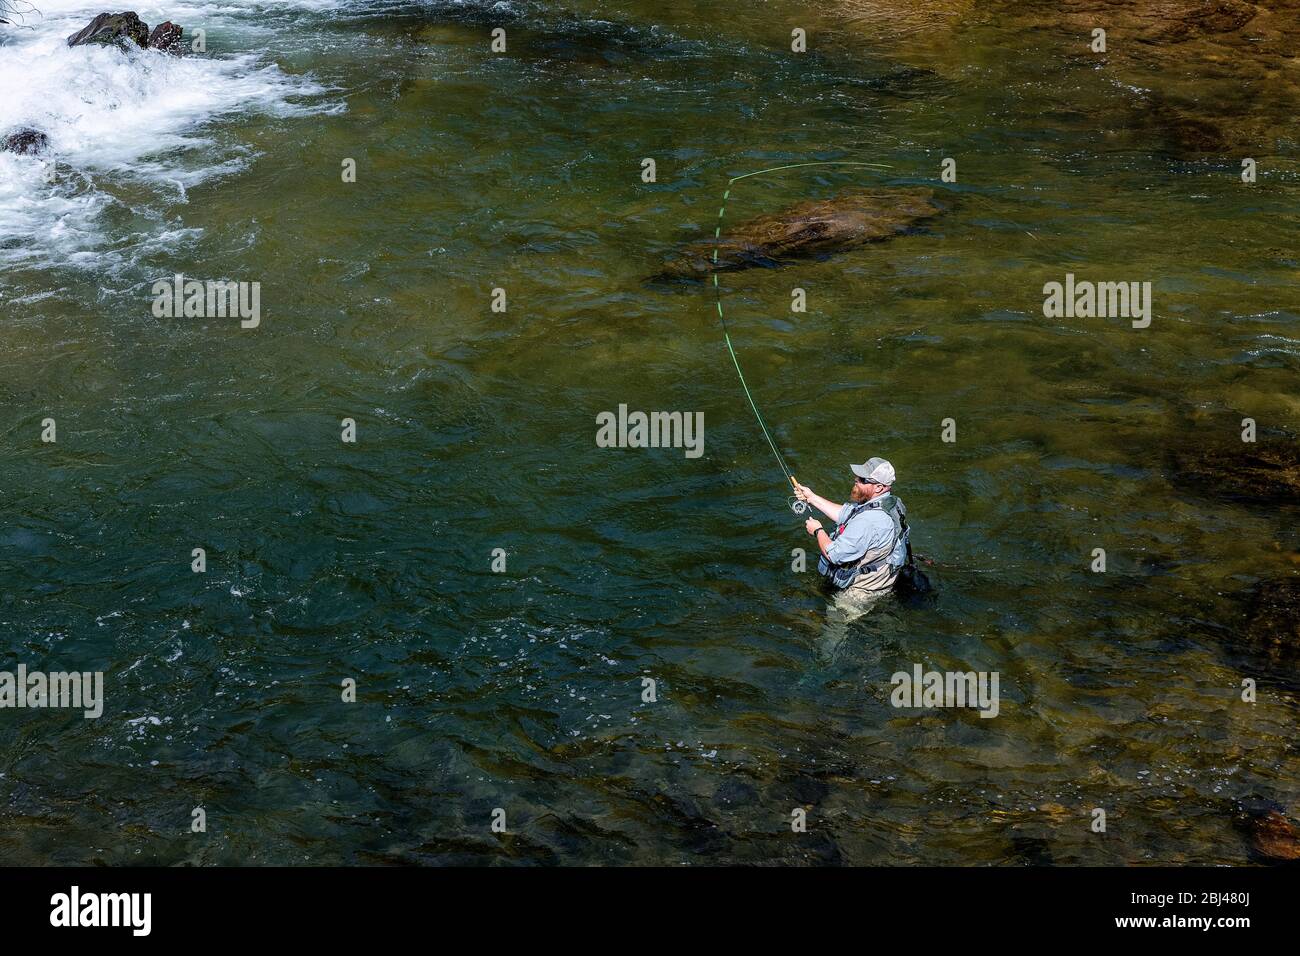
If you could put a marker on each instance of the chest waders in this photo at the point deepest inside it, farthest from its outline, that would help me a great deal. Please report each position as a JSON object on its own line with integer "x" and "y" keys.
{"x": 841, "y": 576}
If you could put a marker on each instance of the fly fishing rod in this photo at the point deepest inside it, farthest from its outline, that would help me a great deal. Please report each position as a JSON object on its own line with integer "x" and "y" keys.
{"x": 797, "y": 504}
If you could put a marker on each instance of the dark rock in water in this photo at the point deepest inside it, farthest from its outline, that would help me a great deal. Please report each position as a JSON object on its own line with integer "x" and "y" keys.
{"x": 1187, "y": 133}
{"x": 1266, "y": 471}
{"x": 808, "y": 791}
{"x": 115, "y": 29}
{"x": 1188, "y": 130}
{"x": 820, "y": 847}
{"x": 1264, "y": 635}
{"x": 1177, "y": 21}
{"x": 28, "y": 141}
{"x": 1204, "y": 78}
{"x": 1260, "y": 631}
{"x": 733, "y": 791}
{"x": 1274, "y": 837}
{"x": 1156, "y": 22}
{"x": 1273, "y": 619}
{"x": 906, "y": 82}
{"x": 1031, "y": 850}
{"x": 814, "y": 229}
{"x": 166, "y": 36}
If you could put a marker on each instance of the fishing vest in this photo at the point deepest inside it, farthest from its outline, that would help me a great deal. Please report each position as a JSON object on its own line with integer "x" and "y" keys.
{"x": 840, "y": 576}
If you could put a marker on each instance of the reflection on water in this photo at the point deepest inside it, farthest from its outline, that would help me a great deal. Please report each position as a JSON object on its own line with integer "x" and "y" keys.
{"x": 476, "y": 431}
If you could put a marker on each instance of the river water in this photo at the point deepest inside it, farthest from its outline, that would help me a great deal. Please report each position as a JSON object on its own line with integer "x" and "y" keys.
{"x": 523, "y": 689}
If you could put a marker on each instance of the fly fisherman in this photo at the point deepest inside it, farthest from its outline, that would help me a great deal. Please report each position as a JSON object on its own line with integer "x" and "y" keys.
{"x": 863, "y": 556}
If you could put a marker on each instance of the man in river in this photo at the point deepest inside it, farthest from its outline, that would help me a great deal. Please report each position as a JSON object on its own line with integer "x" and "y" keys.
{"x": 862, "y": 557}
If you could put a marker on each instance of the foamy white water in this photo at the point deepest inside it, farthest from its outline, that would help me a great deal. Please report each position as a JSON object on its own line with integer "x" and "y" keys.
{"x": 138, "y": 117}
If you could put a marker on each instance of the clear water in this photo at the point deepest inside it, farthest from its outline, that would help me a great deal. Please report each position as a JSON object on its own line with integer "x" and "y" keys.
{"x": 476, "y": 431}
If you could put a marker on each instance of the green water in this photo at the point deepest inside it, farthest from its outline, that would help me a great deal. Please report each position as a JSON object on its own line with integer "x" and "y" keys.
{"x": 476, "y": 431}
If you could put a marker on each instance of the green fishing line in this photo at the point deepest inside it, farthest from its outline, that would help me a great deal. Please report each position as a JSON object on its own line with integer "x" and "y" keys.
{"x": 726, "y": 332}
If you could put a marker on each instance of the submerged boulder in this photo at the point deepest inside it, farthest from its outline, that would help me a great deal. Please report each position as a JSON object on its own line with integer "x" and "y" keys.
{"x": 1273, "y": 837}
{"x": 26, "y": 141}
{"x": 1152, "y": 22}
{"x": 1265, "y": 472}
{"x": 814, "y": 229}
{"x": 1273, "y": 618}
{"x": 1276, "y": 838}
{"x": 113, "y": 29}
{"x": 166, "y": 36}
{"x": 1264, "y": 636}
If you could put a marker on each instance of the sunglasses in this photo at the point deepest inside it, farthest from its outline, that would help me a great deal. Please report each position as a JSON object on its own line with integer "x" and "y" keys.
{"x": 864, "y": 481}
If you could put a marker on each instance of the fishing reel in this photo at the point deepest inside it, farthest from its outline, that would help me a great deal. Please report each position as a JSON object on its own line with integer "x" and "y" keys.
{"x": 797, "y": 504}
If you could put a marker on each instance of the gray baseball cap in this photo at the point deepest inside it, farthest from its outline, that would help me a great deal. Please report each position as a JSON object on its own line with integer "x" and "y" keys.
{"x": 875, "y": 469}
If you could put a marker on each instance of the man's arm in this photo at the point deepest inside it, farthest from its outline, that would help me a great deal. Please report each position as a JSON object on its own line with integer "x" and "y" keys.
{"x": 814, "y": 528}
{"x": 827, "y": 507}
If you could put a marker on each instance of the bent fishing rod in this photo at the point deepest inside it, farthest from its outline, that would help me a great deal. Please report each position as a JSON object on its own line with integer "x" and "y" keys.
{"x": 797, "y": 504}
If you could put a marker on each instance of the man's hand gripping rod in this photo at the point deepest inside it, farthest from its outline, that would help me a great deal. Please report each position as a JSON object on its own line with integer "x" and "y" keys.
{"x": 797, "y": 504}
